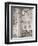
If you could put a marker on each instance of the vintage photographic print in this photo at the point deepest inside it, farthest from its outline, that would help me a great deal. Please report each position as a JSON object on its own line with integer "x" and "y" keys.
{"x": 22, "y": 22}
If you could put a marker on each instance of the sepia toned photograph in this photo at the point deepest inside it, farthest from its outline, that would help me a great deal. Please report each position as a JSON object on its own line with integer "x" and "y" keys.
{"x": 21, "y": 23}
